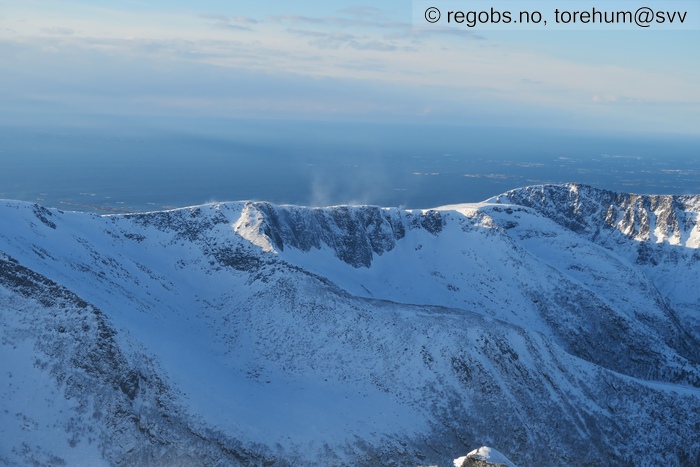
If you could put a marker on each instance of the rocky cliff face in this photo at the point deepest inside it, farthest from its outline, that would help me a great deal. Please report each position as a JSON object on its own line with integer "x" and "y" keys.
{"x": 557, "y": 323}
{"x": 660, "y": 234}
{"x": 665, "y": 219}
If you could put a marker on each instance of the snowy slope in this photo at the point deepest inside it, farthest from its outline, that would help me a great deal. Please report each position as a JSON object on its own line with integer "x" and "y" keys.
{"x": 658, "y": 234}
{"x": 254, "y": 334}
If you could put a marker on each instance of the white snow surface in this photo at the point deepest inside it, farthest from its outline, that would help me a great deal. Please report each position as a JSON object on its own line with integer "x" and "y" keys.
{"x": 339, "y": 335}
{"x": 487, "y": 454}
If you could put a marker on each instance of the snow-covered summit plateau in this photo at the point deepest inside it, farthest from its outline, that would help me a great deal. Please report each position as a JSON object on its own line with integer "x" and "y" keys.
{"x": 559, "y": 324}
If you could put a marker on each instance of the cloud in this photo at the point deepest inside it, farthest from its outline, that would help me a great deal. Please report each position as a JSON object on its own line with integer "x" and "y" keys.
{"x": 607, "y": 98}
{"x": 363, "y": 11}
{"x": 231, "y": 26}
{"x": 611, "y": 99}
{"x": 244, "y": 19}
{"x": 100, "y": 79}
{"x": 58, "y": 31}
{"x": 233, "y": 23}
{"x": 361, "y": 54}
{"x": 298, "y": 19}
{"x": 337, "y": 40}
{"x": 338, "y": 21}
{"x": 426, "y": 33}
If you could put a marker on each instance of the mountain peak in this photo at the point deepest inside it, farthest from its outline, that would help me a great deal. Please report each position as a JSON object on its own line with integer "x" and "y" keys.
{"x": 671, "y": 219}
{"x": 377, "y": 336}
{"x": 484, "y": 457}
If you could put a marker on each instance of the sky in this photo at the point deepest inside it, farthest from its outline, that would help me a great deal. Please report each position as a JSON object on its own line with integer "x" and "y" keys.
{"x": 79, "y": 62}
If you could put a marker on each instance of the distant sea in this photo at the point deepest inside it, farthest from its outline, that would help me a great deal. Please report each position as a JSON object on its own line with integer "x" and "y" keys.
{"x": 125, "y": 169}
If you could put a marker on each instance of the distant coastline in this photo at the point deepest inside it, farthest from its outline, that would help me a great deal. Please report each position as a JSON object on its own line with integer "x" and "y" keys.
{"x": 319, "y": 164}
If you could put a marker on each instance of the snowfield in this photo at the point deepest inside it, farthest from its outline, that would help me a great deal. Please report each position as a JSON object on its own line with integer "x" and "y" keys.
{"x": 559, "y": 324}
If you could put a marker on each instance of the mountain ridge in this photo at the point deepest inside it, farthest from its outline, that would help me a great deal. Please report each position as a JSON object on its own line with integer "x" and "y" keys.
{"x": 364, "y": 335}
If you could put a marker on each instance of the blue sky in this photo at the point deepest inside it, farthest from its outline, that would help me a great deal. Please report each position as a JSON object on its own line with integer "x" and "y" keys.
{"x": 73, "y": 61}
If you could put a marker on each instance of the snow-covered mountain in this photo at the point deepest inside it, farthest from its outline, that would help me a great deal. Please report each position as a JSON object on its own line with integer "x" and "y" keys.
{"x": 483, "y": 457}
{"x": 559, "y": 324}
